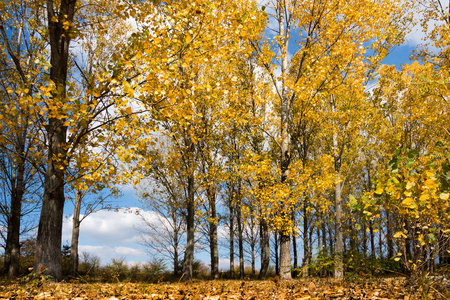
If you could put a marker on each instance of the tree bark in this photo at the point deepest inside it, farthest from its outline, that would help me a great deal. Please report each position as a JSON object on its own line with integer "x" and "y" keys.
{"x": 285, "y": 256}
{"x": 364, "y": 240}
{"x": 214, "y": 252}
{"x": 190, "y": 206}
{"x": 339, "y": 246}
{"x": 277, "y": 262}
{"x": 175, "y": 246}
{"x": 305, "y": 239}
{"x": 285, "y": 239}
{"x": 240, "y": 233}
{"x": 390, "y": 244}
{"x": 189, "y": 253}
{"x": 372, "y": 240}
{"x": 294, "y": 249}
{"x": 252, "y": 240}
{"x": 48, "y": 243}
{"x": 12, "y": 249}
{"x": 265, "y": 250}
{"x": 231, "y": 208}
{"x": 75, "y": 233}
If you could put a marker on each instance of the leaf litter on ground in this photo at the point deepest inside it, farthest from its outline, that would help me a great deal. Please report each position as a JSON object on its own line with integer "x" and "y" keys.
{"x": 298, "y": 289}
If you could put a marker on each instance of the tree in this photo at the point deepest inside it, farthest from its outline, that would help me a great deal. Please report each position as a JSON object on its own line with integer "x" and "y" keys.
{"x": 331, "y": 35}
{"x": 22, "y": 60}
{"x": 178, "y": 88}
{"x": 96, "y": 203}
{"x": 69, "y": 116}
{"x": 164, "y": 194}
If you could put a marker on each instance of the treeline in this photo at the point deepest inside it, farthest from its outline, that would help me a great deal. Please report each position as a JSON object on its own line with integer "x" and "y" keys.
{"x": 229, "y": 112}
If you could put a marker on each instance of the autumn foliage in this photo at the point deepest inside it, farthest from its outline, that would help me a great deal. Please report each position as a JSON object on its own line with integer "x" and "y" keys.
{"x": 269, "y": 131}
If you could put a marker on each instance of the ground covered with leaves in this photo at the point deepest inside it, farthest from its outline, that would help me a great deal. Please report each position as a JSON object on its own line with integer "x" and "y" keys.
{"x": 386, "y": 288}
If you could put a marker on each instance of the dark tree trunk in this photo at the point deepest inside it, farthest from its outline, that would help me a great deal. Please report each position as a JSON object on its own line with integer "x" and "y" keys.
{"x": 305, "y": 240}
{"x": 214, "y": 252}
{"x": 252, "y": 240}
{"x": 390, "y": 244}
{"x": 372, "y": 240}
{"x": 75, "y": 233}
{"x": 265, "y": 250}
{"x": 48, "y": 243}
{"x": 231, "y": 207}
{"x": 12, "y": 249}
{"x": 240, "y": 234}
{"x": 324, "y": 236}
{"x": 294, "y": 248}
{"x": 353, "y": 236}
{"x": 175, "y": 247}
{"x": 364, "y": 240}
{"x": 189, "y": 253}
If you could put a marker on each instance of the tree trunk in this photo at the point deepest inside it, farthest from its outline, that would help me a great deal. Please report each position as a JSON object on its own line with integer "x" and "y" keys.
{"x": 175, "y": 246}
{"x": 231, "y": 207}
{"x": 189, "y": 253}
{"x": 75, "y": 233}
{"x": 277, "y": 262}
{"x": 285, "y": 239}
{"x": 372, "y": 240}
{"x": 213, "y": 233}
{"x": 48, "y": 243}
{"x": 294, "y": 248}
{"x": 252, "y": 241}
{"x": 265, "y": 249}
{"x": 324, "y": 236}
{"x": 380, "y": 244}
{"x": 305, "y": 240}
{"x": 285, "y": 256}
{"x": 339, "y": 246}
{"x": 390, "y": 244}
{"x": 12, "y": 249}
{"x": 364, "y": 240}
{"x": 240, "y": 234}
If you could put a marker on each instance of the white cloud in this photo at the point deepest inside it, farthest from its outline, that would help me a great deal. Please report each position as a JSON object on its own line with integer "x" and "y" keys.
{"x": 111, "y": 234}
{"x": 100, "y": 251}
{"x": 108, "y": 227}
{"x": 127, "y": 251}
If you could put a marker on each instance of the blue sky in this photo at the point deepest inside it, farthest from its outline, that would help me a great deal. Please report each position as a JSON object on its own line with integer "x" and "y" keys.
{"x": 114, "y": 234}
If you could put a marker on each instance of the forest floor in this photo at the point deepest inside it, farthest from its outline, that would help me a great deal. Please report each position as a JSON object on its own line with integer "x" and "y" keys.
{"x": 367, "y": 288}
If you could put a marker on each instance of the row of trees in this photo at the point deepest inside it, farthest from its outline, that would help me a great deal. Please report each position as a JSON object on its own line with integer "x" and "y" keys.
{"x": 262, "y": 106}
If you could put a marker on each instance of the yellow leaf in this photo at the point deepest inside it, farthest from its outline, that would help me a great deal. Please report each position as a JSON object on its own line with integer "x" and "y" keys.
{"x": 424, "y": 197}
{"x": 429, "y": 183}
{"x": 399, "y": 234}
{"x": 409, "y": 185}
{"x": 409, "y": 203}
{"x": 129, "y": 111}
{"x": 379, "y": 190}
